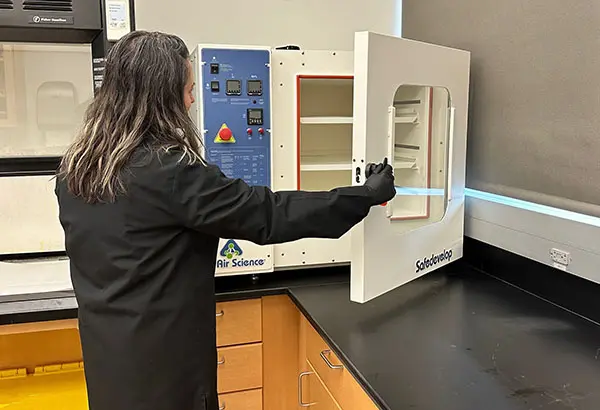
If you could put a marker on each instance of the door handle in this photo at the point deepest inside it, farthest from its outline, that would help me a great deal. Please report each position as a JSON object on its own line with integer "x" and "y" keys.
{"x": 391, "y": 151}
{"x": 300, "y": 402}
{"x": 222, "y": 361}
{"x": 220, "y": 313}
{"x": 324, "y": 355}
{"x": 451, "y": 113}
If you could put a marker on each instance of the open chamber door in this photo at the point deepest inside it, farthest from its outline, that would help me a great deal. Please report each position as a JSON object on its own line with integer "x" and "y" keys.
{"x": 410, "y": 105}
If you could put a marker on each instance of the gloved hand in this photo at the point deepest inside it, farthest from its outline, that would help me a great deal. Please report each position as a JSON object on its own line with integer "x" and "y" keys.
{"x": 380, "y": 182}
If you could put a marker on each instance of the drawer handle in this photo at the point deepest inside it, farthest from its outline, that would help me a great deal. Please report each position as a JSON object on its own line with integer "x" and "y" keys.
{"x": 222, "y": 361}
{"x": 219, "y": 314}
{"x": 300, "y": 402}
{"x": 222, "y": 407}
{"x": 324, "y": 355}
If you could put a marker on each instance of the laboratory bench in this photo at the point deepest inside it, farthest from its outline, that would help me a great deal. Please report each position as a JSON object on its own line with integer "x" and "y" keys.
{"x": 457, "y": 338}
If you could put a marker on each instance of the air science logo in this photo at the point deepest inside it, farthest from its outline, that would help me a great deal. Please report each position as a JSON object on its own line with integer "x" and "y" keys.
{"x": 230, "y": 257}
{"x": 433, "y": 260}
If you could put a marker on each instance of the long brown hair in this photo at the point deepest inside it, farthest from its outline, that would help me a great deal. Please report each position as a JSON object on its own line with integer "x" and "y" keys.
{"x": 140, "y": 104}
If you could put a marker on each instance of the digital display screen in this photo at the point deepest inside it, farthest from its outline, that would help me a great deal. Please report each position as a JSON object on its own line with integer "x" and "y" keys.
{"x": 234, "y": 87}
{"x": 255, "y": 116}
{"x": 254, "y": 87}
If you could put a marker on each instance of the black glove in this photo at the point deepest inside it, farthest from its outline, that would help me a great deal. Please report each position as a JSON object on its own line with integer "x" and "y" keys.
{"x": 380, "y": 182}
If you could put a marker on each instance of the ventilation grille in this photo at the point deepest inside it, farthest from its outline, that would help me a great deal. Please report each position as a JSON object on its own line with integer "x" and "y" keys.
{"x": 48, "y": 5}
{"x": 6, "y": 4}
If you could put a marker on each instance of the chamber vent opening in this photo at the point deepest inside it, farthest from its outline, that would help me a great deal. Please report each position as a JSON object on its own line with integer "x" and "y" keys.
{"x": 6, "y": 4}
{"x": 48, "y": 5}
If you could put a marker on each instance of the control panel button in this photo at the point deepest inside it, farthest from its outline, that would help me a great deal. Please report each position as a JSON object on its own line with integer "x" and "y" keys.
{"x": 214, "y": 86}
{"x": 261, "y": 131}
{"x": 225, "y": 134}
{"x": 249, "y": 131}
{"x": 214, "y": 68}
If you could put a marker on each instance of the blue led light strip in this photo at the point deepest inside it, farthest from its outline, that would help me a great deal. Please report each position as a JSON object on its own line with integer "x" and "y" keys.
{"x": 530, "y": 206}
{"x": 406, "y": 191}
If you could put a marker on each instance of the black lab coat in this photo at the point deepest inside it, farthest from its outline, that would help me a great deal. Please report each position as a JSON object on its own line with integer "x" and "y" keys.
{"x": 143, "y": 272}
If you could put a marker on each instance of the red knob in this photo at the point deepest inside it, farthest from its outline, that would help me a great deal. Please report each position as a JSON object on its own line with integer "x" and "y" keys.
{"x": 261, "y": 131}
{"x": 249, "y": 131}
{"x": 225, "y": 134}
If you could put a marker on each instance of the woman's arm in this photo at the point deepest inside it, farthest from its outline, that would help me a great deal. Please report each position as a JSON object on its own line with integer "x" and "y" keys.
{"x": 229, "y": 208}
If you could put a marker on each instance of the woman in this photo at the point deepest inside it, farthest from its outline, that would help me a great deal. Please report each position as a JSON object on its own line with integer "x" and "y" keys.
{"x": 142, "y": 214}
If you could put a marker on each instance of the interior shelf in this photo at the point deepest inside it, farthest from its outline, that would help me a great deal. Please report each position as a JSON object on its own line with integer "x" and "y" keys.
{"x": 400, "y": 119}
{"x": 327, "y": 82}
{"x": 407, "y": 119}
{"x": 326, "y": 160}
{"x": 407, "y": 113}
{"x": 325, "y": 180}
{"x": 333, "y": 166}
{"x": 405, "y": 162}
{"x": 326, "y": 120}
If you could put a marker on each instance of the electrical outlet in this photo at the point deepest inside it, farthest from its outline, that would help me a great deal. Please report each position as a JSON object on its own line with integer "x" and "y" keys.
{"x": 561, "y": 257}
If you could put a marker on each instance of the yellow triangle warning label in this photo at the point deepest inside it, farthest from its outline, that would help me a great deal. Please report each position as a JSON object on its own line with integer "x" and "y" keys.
{"x": 224, "y": 136}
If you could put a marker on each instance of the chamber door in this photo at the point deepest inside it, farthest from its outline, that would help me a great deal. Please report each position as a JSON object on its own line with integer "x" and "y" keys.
{"x": 410, "y": 105}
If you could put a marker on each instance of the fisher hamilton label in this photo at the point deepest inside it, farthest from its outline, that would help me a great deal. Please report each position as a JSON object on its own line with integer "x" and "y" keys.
{"x": 433, "y": 260}
{"x": 57, "y": 20}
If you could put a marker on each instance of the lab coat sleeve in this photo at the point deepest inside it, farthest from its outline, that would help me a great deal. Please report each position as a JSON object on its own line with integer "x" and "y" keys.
{"x": 211, "y": 203}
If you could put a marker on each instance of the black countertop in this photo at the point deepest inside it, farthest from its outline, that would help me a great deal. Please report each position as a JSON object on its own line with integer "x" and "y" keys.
{"x": 457, "y": 339}
{"x": 460, "y": 340}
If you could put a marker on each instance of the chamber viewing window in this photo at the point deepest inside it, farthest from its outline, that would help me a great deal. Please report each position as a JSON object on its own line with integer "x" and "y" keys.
{"x": 418, "y": 149}
{"x": 44, "y": 91}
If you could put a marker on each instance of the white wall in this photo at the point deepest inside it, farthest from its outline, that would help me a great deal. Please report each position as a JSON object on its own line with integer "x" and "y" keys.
{"x": 311, "y": 24}
{"x": 531, "y": 230}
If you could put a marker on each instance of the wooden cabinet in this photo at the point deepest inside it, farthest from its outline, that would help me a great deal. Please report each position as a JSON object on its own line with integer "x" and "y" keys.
{"x": 300, "y": 369}
{"x": 269, "y": 357}
{"x": 313, "y": 393}
{"x": 27, "y": 346}
{"x": 339, "y": 383}
{"x": 239, "y": 322}
{"x": 240, "y": 368}
{"x": 240, "y": 354}
{"x": 245, "y": 400}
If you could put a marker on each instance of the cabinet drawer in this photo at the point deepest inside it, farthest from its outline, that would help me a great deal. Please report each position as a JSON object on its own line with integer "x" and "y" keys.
{"x": 239, "y": 368}
{"x": 244, "y": 400}
{"x": 342, "y": 385}
{"x": 239, "y": 322}
{"x": 313, "y": 393}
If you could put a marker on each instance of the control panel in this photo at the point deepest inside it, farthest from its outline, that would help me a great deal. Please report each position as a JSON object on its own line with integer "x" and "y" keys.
{"x": 236, "y": 112}
{"x": 233, "y": 113}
